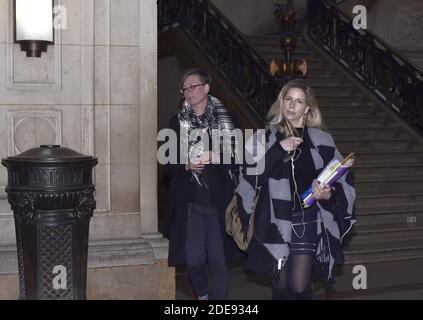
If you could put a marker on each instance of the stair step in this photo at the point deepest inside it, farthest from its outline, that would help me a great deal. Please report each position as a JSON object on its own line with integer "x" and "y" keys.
{"x": 374, "y": 205}
{"x": 388, "y": 188}
{"x": 370, "y": 137}
{"x": 328, "y": 82}
{"x": 353, "y": 101}
{"x": 348, "y": 113}
{"x": 383, "y": 233}
{"x": 356, "y": 101}
{"x": 277, "y": 53}
{"x": 266, "y": 38}
{"x": 378, "y": 247}
{"x": 386, "y": 228}
{"x": 386, "y": 159}
{"x": 315, "y": 64}
{"x": 390, "y": 217}
{"x": 378, "y": 212}
{"x": 345, "y": 91}
{"x": 271, "y": 40}
{"x": 388, "y": 251}
{"x": 272, "y": 37}
{"x": 356, "y": 124}
{"x": 324, "y": 72}
{"x": 350, "y": 136}
{"x": 332, "y": 83}
{"x": 359, "y": 101}
{"x": 275, "y": 47}
{"x": 376, "y": 153}
{"x": 392, "y": 173}
{"x": 342, "y": 110}
{"x": 324, "y": 77}
{"x": 329, "y": 93}
{"x": 319, "y": 68}
{"x": 298, "y": 29}
{"x": 378, "y": 146}
{"x": 354, "y": 132}
{"x": 343, "y": 115}
{"x": 317, "y": 76}
{"x": 313, "y": 59}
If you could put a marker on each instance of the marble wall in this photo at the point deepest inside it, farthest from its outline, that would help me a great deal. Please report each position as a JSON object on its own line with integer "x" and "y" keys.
{"x": 95, "y": 91}
{"x": 82, "y": 94}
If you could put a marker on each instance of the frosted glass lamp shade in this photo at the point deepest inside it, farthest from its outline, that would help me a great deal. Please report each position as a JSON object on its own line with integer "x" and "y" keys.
{"x": 34, "y": 25}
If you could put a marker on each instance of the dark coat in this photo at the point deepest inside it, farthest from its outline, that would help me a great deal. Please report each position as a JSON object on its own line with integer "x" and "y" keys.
{"x": 181, "y": 191}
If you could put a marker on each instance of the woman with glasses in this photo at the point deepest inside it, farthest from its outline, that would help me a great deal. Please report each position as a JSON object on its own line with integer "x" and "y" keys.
{"x": 201, "y": 186}
{"x": 291, "y": 241}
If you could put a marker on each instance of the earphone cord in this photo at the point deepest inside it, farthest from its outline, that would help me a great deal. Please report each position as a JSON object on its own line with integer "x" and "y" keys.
{"x": 296, "y": 194}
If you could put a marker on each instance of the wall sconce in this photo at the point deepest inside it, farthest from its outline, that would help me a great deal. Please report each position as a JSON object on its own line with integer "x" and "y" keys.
{"x": 34, "y": 26}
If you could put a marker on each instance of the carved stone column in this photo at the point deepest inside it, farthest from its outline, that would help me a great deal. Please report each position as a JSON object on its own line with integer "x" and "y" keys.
{"x": 148, "y": 116}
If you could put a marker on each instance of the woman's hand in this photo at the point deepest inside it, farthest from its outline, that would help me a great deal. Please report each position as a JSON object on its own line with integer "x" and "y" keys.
{"x": 321, "y": 193}
{"x": 210, "y": 157}
{"x": 291, "y": 143}
{"x": 194, "y": 165}
{"x": 198, "y": 164}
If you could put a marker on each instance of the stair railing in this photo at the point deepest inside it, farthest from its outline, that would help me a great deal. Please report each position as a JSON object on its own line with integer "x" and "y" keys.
{"x": 226, "y": 48}
{"x": 393, "y": 78}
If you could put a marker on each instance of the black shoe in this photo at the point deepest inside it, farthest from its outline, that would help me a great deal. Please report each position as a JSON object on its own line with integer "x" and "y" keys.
{"x": 283, "y": 294}
{"x": 305, "y": 295}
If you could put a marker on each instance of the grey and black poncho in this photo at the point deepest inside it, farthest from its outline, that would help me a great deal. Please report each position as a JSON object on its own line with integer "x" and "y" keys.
{"x": 272, "y": 223}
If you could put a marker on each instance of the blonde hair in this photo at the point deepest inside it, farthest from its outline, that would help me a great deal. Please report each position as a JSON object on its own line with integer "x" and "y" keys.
{"x": 313, "y": 116}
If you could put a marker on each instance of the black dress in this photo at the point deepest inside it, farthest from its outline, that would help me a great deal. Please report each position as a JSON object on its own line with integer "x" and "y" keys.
{"x": 304, "y": 221}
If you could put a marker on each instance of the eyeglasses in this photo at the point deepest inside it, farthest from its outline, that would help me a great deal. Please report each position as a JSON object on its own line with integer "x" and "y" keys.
{"x": 190, "y": 88}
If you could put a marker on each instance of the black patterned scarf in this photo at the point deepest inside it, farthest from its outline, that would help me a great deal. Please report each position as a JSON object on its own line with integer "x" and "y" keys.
{"x": 195, "y": 130}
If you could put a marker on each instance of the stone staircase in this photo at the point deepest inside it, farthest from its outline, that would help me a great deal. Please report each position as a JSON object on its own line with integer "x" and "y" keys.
{"x": 388, "y": 173}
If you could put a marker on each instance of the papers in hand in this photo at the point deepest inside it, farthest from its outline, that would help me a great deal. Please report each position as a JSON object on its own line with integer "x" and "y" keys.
{"x": 329, "y": 175}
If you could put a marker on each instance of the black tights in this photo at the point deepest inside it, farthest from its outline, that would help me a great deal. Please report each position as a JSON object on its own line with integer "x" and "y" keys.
{"x": 295, "y": 277}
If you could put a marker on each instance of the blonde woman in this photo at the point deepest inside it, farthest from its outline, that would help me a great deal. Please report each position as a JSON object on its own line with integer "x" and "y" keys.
{"x": 290, "y": 240}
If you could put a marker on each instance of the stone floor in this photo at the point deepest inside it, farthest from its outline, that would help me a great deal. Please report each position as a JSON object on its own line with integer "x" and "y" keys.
{"x": 401, "y": 280}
